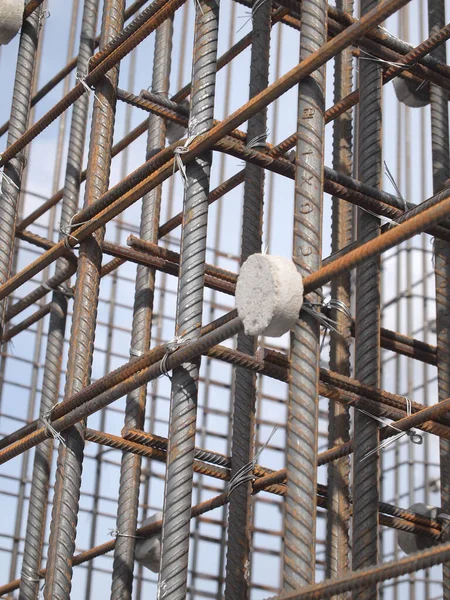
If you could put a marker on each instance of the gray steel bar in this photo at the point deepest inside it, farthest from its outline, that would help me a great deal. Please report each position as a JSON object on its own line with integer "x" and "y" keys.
{"x": 239, "y": 519}
{"x": 52, "y": 368}
{"x": 441, "y": 172}
{"x": 18, "y": 123}
{"x": 302, "y": 422}
{"x": 196, "y": 546}
{"x": 70, "y": 456}
{"x": 367, "y": 326}
{"x": 37, "y": 350}
{"x": 179, "y": 475}
{"x": 113, "y": 300}
{"x": 337, "y": 540}
{"x": 179, "y": 63}
{"x": 122, "y": 581}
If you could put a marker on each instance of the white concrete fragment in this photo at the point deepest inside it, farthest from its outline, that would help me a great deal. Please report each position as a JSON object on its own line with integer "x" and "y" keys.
{"x": 269, "y": 295}
{"x": 413, "y": 542}
{"x": 148, "y": 551}
{"x": 407, "y": 92}
{"x": 11, "y": 17}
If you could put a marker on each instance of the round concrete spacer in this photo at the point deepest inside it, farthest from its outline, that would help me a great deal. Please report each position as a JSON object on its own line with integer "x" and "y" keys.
{"x": 148, "y": 551}
{"x": 269, "y": 295}
{"x": 11, "y": 17}
{"x": 409, "y": 93}
{"x": 413, "y": 542}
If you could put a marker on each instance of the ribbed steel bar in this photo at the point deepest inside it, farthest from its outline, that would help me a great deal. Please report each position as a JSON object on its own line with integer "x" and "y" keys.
{"x": 113, "y": 57}
{"x": 205, "y": 142}
{"x": 440, "y": 150}
{"x": 20, "y": 510}
{"x": 127, "y": 513}
{"x": 367, "y": 325}
{"x": 18, "y": 123}
{"x": 65, "y": 71}
{"x": 224, "y": 60}
{"x": 239, "y": 517}
{"x": 302, "y": 420}
{"x": 179, "y": 475}
{"x": 407, "y": 521}
{"x": 70, "y": 455}
{"x": 337, "y": 540}
{"x": 357, "y": 580}
{"x": 114, "y": 302}
{"x": 57, "y": 325}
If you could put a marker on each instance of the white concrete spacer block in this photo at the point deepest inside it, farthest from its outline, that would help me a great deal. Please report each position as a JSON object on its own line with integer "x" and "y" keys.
{"x": 11, "y": 17}
{"x": 148, "y": 551}
{"x": 407, "y": 92}
{"x": 413, "y": 542}
{"x": 269, "y": 295}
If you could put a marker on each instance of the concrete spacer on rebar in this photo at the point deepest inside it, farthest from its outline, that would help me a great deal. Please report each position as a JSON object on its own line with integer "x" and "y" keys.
{"x": 413, "y": 542}
{"x": 148, "y": 550}
{"x": 269, "y": 295}
{"x": 11, "y": 17}
{"x": 411, "y": 94}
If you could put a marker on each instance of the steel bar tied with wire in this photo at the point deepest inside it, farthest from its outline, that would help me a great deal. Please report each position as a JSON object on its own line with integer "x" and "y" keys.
{"x": 245, "y": 473}
{"x": 46, "y": 419}
{"x": 327, "y": 322}
{"x": 82, "y": 79}
{"x": 5, "y": 177}
{"x": 170, "y": 347}
{"x": 179, "y": 150}
{"x": 250, "y": 14}
{"x": 414, "y": 437}
{"x": 66, "y": 230}
{"x": 114, "y": 532}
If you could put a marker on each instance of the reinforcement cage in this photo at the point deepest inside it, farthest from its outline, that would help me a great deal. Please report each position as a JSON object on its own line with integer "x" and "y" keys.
{"x": 149, "y": 148}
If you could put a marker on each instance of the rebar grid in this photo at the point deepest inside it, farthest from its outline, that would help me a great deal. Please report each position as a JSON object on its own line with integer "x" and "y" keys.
{"x": 140, "y": 278}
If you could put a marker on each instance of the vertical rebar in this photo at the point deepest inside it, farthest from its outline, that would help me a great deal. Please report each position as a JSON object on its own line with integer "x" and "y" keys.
{"x": 52, "y": 368}
{"x": 337, "y": 540}
{"x": 70, "y": 455}
{"x": 441, "y": 172}
{"x": 168, "y": 204}
{"x": 18, "y": 123}
{"x": 302, "y": 422}
{"x": 239, "y": 519}
{"x": 37, "y": 350}
{"x": 122, "y": 581}
{"x": 113, "y": 300}
{"x": 183, "y": 411}
{"x": 367, "y": 328}
{"x": 196, "y": 549}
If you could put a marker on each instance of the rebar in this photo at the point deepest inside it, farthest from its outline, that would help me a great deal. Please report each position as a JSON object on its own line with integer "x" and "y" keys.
{"x": 367, "y": 325}
{"x": 141, "y": 331}
{"x": 238, "y": 552}
{"x": 154, "y": 293}
{"x": 178, "y": 492}
{"x": 302, "y": 430}
{"x": 71, "y": 449}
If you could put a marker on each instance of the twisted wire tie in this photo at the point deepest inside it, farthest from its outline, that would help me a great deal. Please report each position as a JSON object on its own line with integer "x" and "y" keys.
{"x": 66, "y": 231}
{"x": 28, "y": 574}
{"x": 82, "y": 79}
{"x": 327, "y": 322}
{"x": 114, "y": 532}
{"x": 414, "y": 437}
{"x": 171, "y": 346}
{"x": 245, "y": 473}
{"x": 46, "y": 419}
{"x": 65, "y": 291}
{"x": 179, "y": 150}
